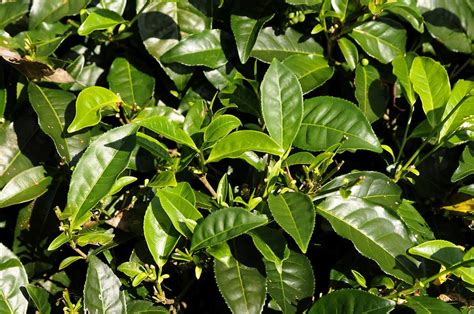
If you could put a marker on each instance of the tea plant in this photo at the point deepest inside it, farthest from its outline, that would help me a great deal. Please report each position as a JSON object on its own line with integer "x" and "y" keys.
{"x": 205, "y": 156}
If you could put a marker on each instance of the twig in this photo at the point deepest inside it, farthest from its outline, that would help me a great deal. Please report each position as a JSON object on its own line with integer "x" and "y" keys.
{"x": 79, "y": 251}
{"x": 208, "y": 186}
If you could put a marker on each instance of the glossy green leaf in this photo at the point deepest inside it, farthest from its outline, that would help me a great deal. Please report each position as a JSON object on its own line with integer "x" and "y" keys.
{"x": 60, "y": 240}
{"x": 450, "y": 22}
{"x": 39, "y": 296}
{"x": 97, "y": 170}
{"x": 463, "y": 102}
{"x": 466, "y": 164}
{"x": 117, "y": 6}
{"x": 195, "y": 117}
{"x": 428, "y": 305}
{"x": 51, "y": 106}
{"x": 121, "y": 183}
{"x": 133, "y": 86}
{"x": 178, "y": 209}
{"x": 25, "y": 186}
{"x": 294, "y": 212}
{"x": 3, "y": 96}
{"x": 221, "y": 252}
{"x": 383, "y": 39}
{"x": 13, "y": 277}
{"x": 242, "y": 287}
{"x": 371, "y": 228}
{"x": 153, "y": 146}
{"x": 370, "y": 186}
{"x": 329, "y": 120}
{"x": 401, "y": 68}
{"x": 341, "y": 8}
{"x": 145, "y": 307}
{"x": 88, "y": 105}
{"x": 415, "y": 222}
{"x": 349, "y": 51}
{"x": 431, "y": 82}
{"x": 271, "y": 244}
{"x": 304, "y": 2}
{"x": 295, "y": 282}
{"x": 407, "y": 11}
{"x": 352, "y": 301}
{"x": 52, "y": 11}
{"x": 99, "y": 19}
{"x": 370, "y": 92}
{"x": 164, "y": 23}
{"x": 102, "y": 292}
{"x": 95, "y": 236}
{"x": 282, "y": 103}
{"x": 468, "y": 189}
{"x": 12, "y": 11}
{"x": 246, "y": 30}
{"x": 312, "y": 71}
{"x": 160, "y": 235}
{"x": 223, "y": 225}
{"x": 236, "y": 143}
{"x": 299, "y": 158}
{"x": 68, "y": 261}
{"x": 169, "y": 129}
{"x": 269, "y": 45}
{"x": 220, "y": 127}
{"x": 204, "y": 48}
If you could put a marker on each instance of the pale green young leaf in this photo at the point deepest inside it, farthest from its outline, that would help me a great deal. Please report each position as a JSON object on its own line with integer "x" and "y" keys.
{"x": 99, "y": 19}
{"x": 220, "y": 127}
{"x": 401, "y": 68}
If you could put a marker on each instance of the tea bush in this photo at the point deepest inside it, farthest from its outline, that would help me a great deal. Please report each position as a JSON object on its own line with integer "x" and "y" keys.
{"x": 205, "y": 156}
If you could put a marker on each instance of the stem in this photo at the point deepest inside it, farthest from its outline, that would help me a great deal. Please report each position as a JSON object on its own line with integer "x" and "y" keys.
{"x": 208, "y": 186}
{"x": 79, "y": 251}
{"x": 135, "y": 18}
{"x": 405, "y": 135}
{"x": 426, "y": 281}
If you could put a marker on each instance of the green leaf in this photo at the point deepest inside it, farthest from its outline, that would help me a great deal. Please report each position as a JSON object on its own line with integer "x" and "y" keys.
{"x": 269, "y": 45}
{"x": 464, "y": 114}
{"x": 246, "y": 30}
{"x": 220, "y": 127}
{"x": 60, "y": 240}
{"x": 163, "y": 24}
{"x": 428, "y": 305}
{"x": 88, "y": 105}
{"x": 349, "y": 51}
{"x": 271, "y": 244}
{"x": 145, "y": 307}
{"x": 39, "y": 296}
{"x": 408, "y": 12}
{"x": 370, "y": 186}
{"x": 25, "y": 186}
{"x": 468, "y": 189}
{"x": 12, "y": 11}
{"x": 466, "y": 164}
{"x": 121, "y": 183}
{"x": 340, "y": 7}
{"x": 371, "y": 228}
{"x": 312, "y": 71}
{"x": 169, "y": 129}
{"x": 13, "y": 276}
{"x": 450, "y": 22}
{"x": 431, "y": 82}
{"x": 68, "y": 261}
{"x": 153, "y": 146}
{"x": 102, "y": 289}
{"x": 295, "y": 282}
{"x": 415, "y": 222}
{"x": 237, "y": 143}
{"x": 51, "y": 106}
{"x": 179, "y": 210}
{"x": 223, "y": 225}
{"x": 401, "y": 68}
{"x": 371, "y": 93}
{"x": 204, "y": 48}
{"x": 294, "y": 212}
{"x": 99, "y": 19}
{"x": 195, "y": 117}
{"x": 52, "y": 11}
{"x": 282, "y": 103}
{"x": 117, "y": 6}
{"x": 95, "y": 236}
{"x": 97, "y": 170}
{"x": 352, "y": 301}
{"x": 242, "y": 287}
{"x": 133, "y": 86}
{"x": 329, "y": 120}
{"x": 383, "y": 39}
{"x": 160, "y": 235}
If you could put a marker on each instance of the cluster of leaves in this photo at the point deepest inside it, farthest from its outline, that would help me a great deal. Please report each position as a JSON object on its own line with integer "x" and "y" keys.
{"x": 298, "y": 155}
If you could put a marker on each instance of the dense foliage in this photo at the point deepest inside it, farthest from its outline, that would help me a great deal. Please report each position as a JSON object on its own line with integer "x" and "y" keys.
{"x": 265, "y": 155}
